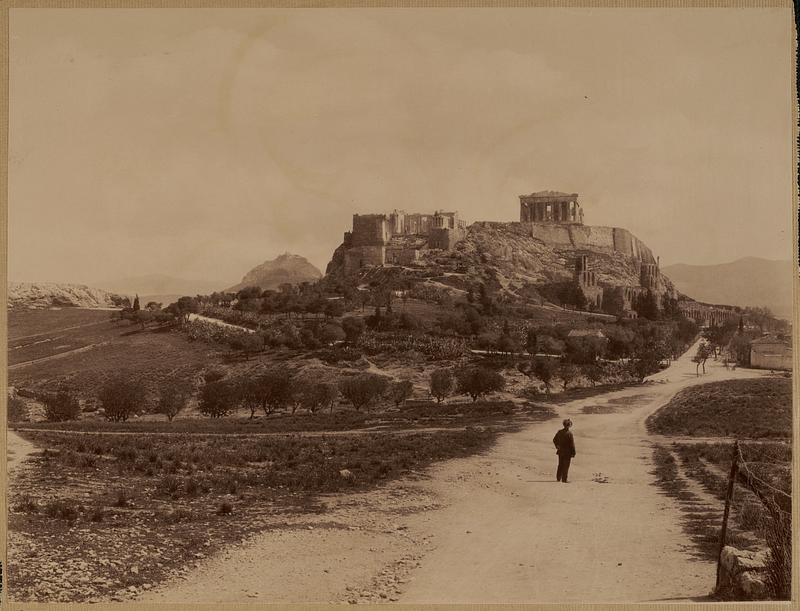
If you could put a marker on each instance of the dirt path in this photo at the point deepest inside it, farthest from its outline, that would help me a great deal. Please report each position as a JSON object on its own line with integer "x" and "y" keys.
{"x": 506, "y": 532}
{"x": 58, "y": 355}
{"x": 17, "y": 450}
{"x": 221, "y": 323}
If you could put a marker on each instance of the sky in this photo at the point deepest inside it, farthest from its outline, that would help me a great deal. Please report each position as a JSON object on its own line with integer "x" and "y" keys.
{"x": 198, "y": 143}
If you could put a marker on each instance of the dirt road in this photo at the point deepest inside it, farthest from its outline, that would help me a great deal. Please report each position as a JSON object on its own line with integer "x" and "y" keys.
{"x": 17, "y": 450}
{"x": 505, "y": 530}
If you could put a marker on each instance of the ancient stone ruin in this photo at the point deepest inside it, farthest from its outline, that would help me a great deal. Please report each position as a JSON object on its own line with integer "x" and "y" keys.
{"x": 553, "y": 218}
{"x": 550, "y": 207}
{"x": 398, "y": 238}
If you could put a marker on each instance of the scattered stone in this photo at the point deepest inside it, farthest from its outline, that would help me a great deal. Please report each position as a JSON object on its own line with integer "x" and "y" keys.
{"x": 752, "y": 585}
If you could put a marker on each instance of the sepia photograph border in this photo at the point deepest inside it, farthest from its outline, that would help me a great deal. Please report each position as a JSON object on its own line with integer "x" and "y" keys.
{"x": 5, "y": 9}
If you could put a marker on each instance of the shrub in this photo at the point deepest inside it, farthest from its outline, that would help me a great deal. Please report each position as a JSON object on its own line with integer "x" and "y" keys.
{"x": 97, "y": 515}
{"x": 172, "y": 397}
{"x": 17, "y": 409}
{"x": 61, "y": 510}
{"x": 26, "y": 504}
{"x": 568, "y": 373}
{"x": 331, "y": 333}
{"x": 192, "y": 487}
{"x": 319, "y": 395}
{"x": 363, "y": 390}
{"x": 121, "y": 397}
{"x": 61, "y": 406}
{"x": 122, "y": 498}
{"x": 217, "y": 398}
{"x": 225, "y": 509}
{"x": 400, "y": 391}
{"x": 477, "y": 381}
{"x": 169, "y": 485}
{"x": 248, "y": 343}
{"x": 353, "y": 328}
{"x": 441, "y": 384}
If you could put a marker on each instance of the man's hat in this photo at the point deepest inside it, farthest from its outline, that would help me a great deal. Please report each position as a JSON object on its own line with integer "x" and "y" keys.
{"x": 567, "y": 422}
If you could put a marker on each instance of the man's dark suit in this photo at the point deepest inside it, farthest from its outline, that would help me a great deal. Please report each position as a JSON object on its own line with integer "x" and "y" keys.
{"x": 565, "y": 448}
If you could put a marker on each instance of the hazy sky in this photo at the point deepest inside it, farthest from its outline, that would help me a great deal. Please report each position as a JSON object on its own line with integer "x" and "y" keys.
{"x": 198, "y": 143}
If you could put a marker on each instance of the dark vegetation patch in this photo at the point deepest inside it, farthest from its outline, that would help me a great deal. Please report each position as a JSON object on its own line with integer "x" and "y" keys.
{"x": 735, "y": 408}
{"x": 414, "y": 413}
{"x": 575, "y": 394}
{"x": 479, "y": 412}
{"x": 113, "y": 512}
{"x": 275, "y": 423}
{"x": 614, "y": 405}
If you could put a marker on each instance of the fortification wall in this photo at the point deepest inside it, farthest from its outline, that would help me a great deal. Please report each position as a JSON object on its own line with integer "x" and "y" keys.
{"x": 589, "y": 237}
{"x": 598, "y": 237}
{"x": 369, "y": 230}
{"x": 357, "y": 257}
{"x": 402, "y": 256}
{"x": 445, "y": 238}
{"x": 551, "y": 233}
{"x": 628, "y": 244}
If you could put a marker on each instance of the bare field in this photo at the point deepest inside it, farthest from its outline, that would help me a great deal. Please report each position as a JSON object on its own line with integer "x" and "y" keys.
{"x": 27, "y": 324}
{"x": 104, "y": 516}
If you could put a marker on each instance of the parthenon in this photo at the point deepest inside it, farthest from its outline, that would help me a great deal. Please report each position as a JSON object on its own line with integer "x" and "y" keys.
{"x": 550, "y": 207}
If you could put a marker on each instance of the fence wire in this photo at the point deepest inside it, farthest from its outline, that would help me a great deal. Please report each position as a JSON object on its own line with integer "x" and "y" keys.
{"x": 762, "y": 501}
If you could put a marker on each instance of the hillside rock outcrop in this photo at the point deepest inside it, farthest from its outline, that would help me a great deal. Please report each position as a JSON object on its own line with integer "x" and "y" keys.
{"x": 287, "y": 268}
{"x": 39, "y": 295}
{"x": 522, "y": 259}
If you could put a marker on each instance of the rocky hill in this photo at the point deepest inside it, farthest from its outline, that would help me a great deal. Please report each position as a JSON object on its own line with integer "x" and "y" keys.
{"x": 520, "y": 260}
{"x": 746, "y": 282}
{"x": 38, "y": 295}
{"x": 287, "y": 268}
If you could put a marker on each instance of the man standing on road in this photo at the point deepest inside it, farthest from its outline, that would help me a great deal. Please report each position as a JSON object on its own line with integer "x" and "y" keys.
{"x": 565, "y": 448}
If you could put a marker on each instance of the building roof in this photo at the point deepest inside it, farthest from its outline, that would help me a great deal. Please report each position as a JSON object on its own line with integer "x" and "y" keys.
{"x": 550, "y": 195}
{"x": 586, "y": 333}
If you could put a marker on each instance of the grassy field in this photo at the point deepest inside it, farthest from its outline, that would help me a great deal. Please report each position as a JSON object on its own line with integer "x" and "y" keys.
{"x": 752, "y": 409}
{"x": 112, "y": 347}
{"x": 95, "y": 507}
{"x": 30, "y": 324}
{"x": 42, "y": 333}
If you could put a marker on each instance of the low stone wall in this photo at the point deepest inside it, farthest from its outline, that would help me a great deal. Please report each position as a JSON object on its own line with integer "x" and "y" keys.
{"x": 742, "y": 574}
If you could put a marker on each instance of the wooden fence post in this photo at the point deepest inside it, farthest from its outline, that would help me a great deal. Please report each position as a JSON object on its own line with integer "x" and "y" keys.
{"x": 728, "y": 498}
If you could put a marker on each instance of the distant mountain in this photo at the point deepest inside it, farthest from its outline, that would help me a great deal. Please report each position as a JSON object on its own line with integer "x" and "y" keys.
{"x": 746, "y": 282}
{"x": 286, "y": 268}
{"x": 160, "y": 284}
{"x": 39, "y": 295}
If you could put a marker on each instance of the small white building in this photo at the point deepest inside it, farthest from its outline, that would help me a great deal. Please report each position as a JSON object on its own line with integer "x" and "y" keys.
{"x": 771, "y": 352}
{"x": 593, "y": 333}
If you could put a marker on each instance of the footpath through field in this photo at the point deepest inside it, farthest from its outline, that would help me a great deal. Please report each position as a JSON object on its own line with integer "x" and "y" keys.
{"x": 511, "y": 533}
{"x": 506, "y": 532}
